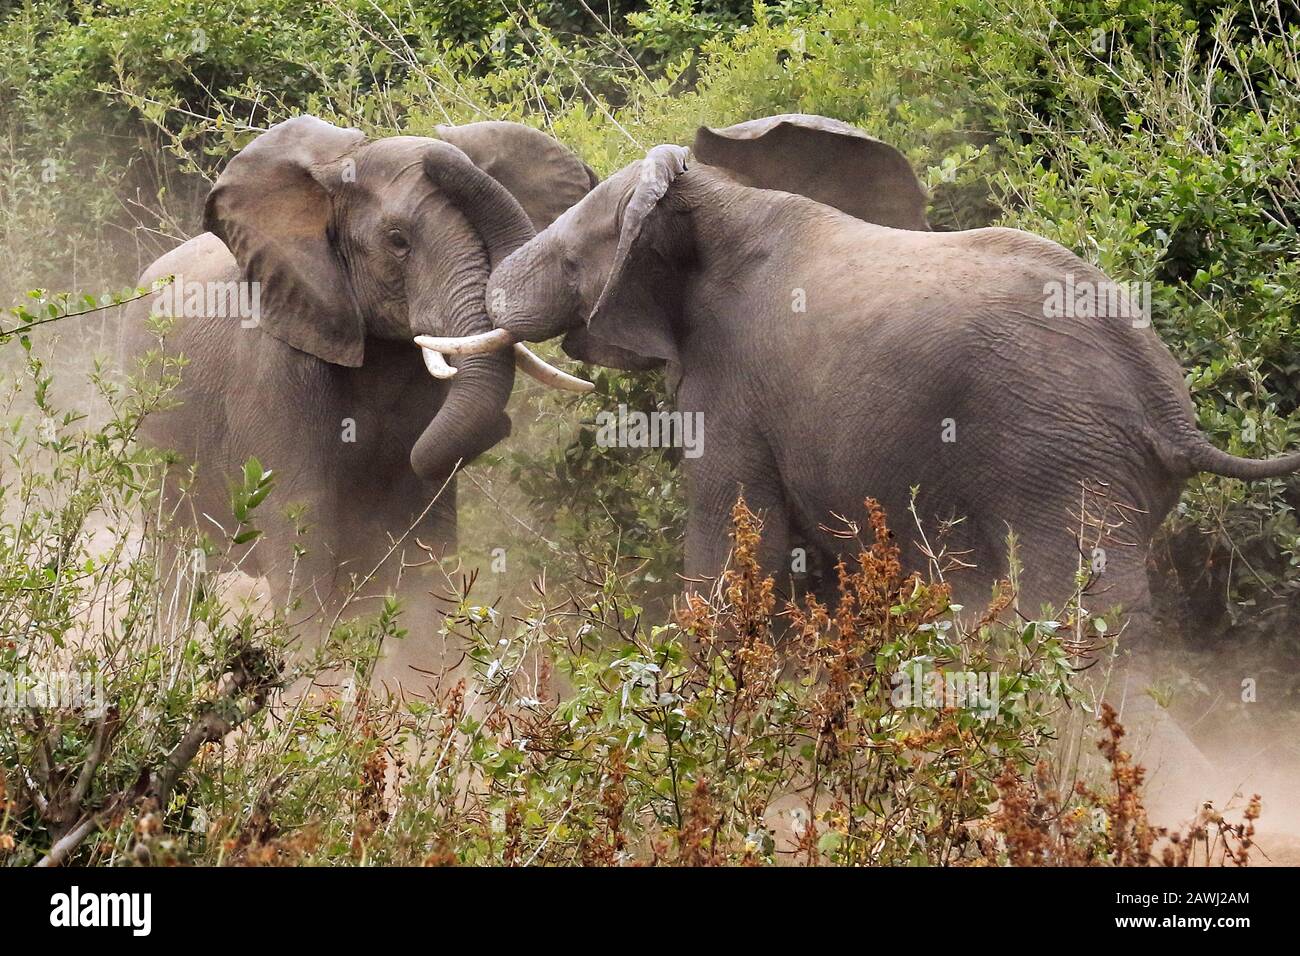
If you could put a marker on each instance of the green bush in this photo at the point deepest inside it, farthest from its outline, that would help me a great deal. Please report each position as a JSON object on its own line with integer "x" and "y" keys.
{"x": 580, "y": 732}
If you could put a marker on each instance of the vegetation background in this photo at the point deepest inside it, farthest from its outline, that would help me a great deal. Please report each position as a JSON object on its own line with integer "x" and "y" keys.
{"x": 1157, "y": 139}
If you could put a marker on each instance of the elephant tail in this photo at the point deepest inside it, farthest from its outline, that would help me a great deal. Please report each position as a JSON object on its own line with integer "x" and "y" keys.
{"x": 1203, "y": 456}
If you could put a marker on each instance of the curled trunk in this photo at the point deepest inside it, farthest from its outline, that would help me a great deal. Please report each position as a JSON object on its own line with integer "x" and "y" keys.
{"x": 473, "y": 418}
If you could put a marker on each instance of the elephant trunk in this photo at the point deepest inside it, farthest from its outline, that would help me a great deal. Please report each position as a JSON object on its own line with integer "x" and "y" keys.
{"x": 532, "y": 300}
{"x": 472, "y": 418}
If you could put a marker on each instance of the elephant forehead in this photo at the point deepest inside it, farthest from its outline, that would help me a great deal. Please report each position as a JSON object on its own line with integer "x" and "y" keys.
{"x": 394, "y": 190}
{"x": 388, "y": 161}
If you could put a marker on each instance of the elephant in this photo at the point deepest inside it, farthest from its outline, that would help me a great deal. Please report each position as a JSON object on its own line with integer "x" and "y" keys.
{"x": 837, "y": 348}
{"x": 325, "y": 252}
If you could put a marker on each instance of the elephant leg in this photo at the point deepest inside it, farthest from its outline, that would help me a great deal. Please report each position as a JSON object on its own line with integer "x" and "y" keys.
{"x": 1050, "y": 558}
{"x": 1176, "y": 767}
{"x": 713, "y": 491}
{"x": 418, "y": 661}
{"x": 1178, "y": 772}
{"x": 1130, "y": 593}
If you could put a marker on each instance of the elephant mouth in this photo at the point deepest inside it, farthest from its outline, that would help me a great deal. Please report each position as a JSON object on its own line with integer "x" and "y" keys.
{"x": 436, "y": 348}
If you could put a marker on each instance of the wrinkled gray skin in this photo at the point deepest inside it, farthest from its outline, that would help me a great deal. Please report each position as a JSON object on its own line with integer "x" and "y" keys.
{"x": 357, "y": 246}
{"x": 692, "y": 266}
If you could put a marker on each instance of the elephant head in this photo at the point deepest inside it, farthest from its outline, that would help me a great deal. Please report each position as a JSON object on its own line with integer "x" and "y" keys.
{"x": 608, "y": 273}
{"x": 350, "y": 239}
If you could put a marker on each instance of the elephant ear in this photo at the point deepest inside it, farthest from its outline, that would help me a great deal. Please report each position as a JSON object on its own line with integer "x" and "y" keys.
{"x": 543, "y": 175}
{"x": 272, "y": 210}
{"x": 823, "y": 159}
{"x": 634, "y": 313}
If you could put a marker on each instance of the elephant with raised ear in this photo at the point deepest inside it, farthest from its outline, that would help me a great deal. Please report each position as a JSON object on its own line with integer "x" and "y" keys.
{"x": 337, "y": 251}
{"x": 834, "y": 357}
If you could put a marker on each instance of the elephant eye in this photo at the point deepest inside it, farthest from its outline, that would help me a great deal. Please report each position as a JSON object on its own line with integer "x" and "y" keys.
{"x": 398, "y": 243}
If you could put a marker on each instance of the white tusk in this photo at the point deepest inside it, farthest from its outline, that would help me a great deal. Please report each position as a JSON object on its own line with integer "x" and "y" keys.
{"x": 484, "y": 342}
{"x": 547, "y": 373}
{"x": 436, "y": 364}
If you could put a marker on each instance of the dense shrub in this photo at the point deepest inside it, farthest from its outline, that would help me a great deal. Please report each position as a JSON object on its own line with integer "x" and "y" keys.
{"x": 879, "y": 730}
{"x": 582, "y": 732}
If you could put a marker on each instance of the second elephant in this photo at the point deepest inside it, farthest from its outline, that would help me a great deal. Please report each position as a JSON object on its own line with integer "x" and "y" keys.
{"x": 834, "y": 357}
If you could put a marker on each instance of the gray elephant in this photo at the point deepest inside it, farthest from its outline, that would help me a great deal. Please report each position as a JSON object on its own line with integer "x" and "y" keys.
{"x": 325, "y": 254}
{"x": 837, "y": 349}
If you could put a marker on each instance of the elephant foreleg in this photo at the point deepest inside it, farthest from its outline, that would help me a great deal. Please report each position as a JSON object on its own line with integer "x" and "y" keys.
{"x": 709, "y": 537}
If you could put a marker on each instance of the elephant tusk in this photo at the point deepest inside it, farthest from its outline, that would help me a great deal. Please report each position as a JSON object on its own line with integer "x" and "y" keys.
{"x": 548, "y": 374}
{"x": 436, "y": 364}
{"x": 480, "y": 344}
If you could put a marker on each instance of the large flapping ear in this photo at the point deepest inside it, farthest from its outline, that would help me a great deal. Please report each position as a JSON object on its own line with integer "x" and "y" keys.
{"x": 543, "y": 175}
{"x": 823, "y": 159}
{"x": 632, "y": 313}
{"x": 272, "y": 211}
